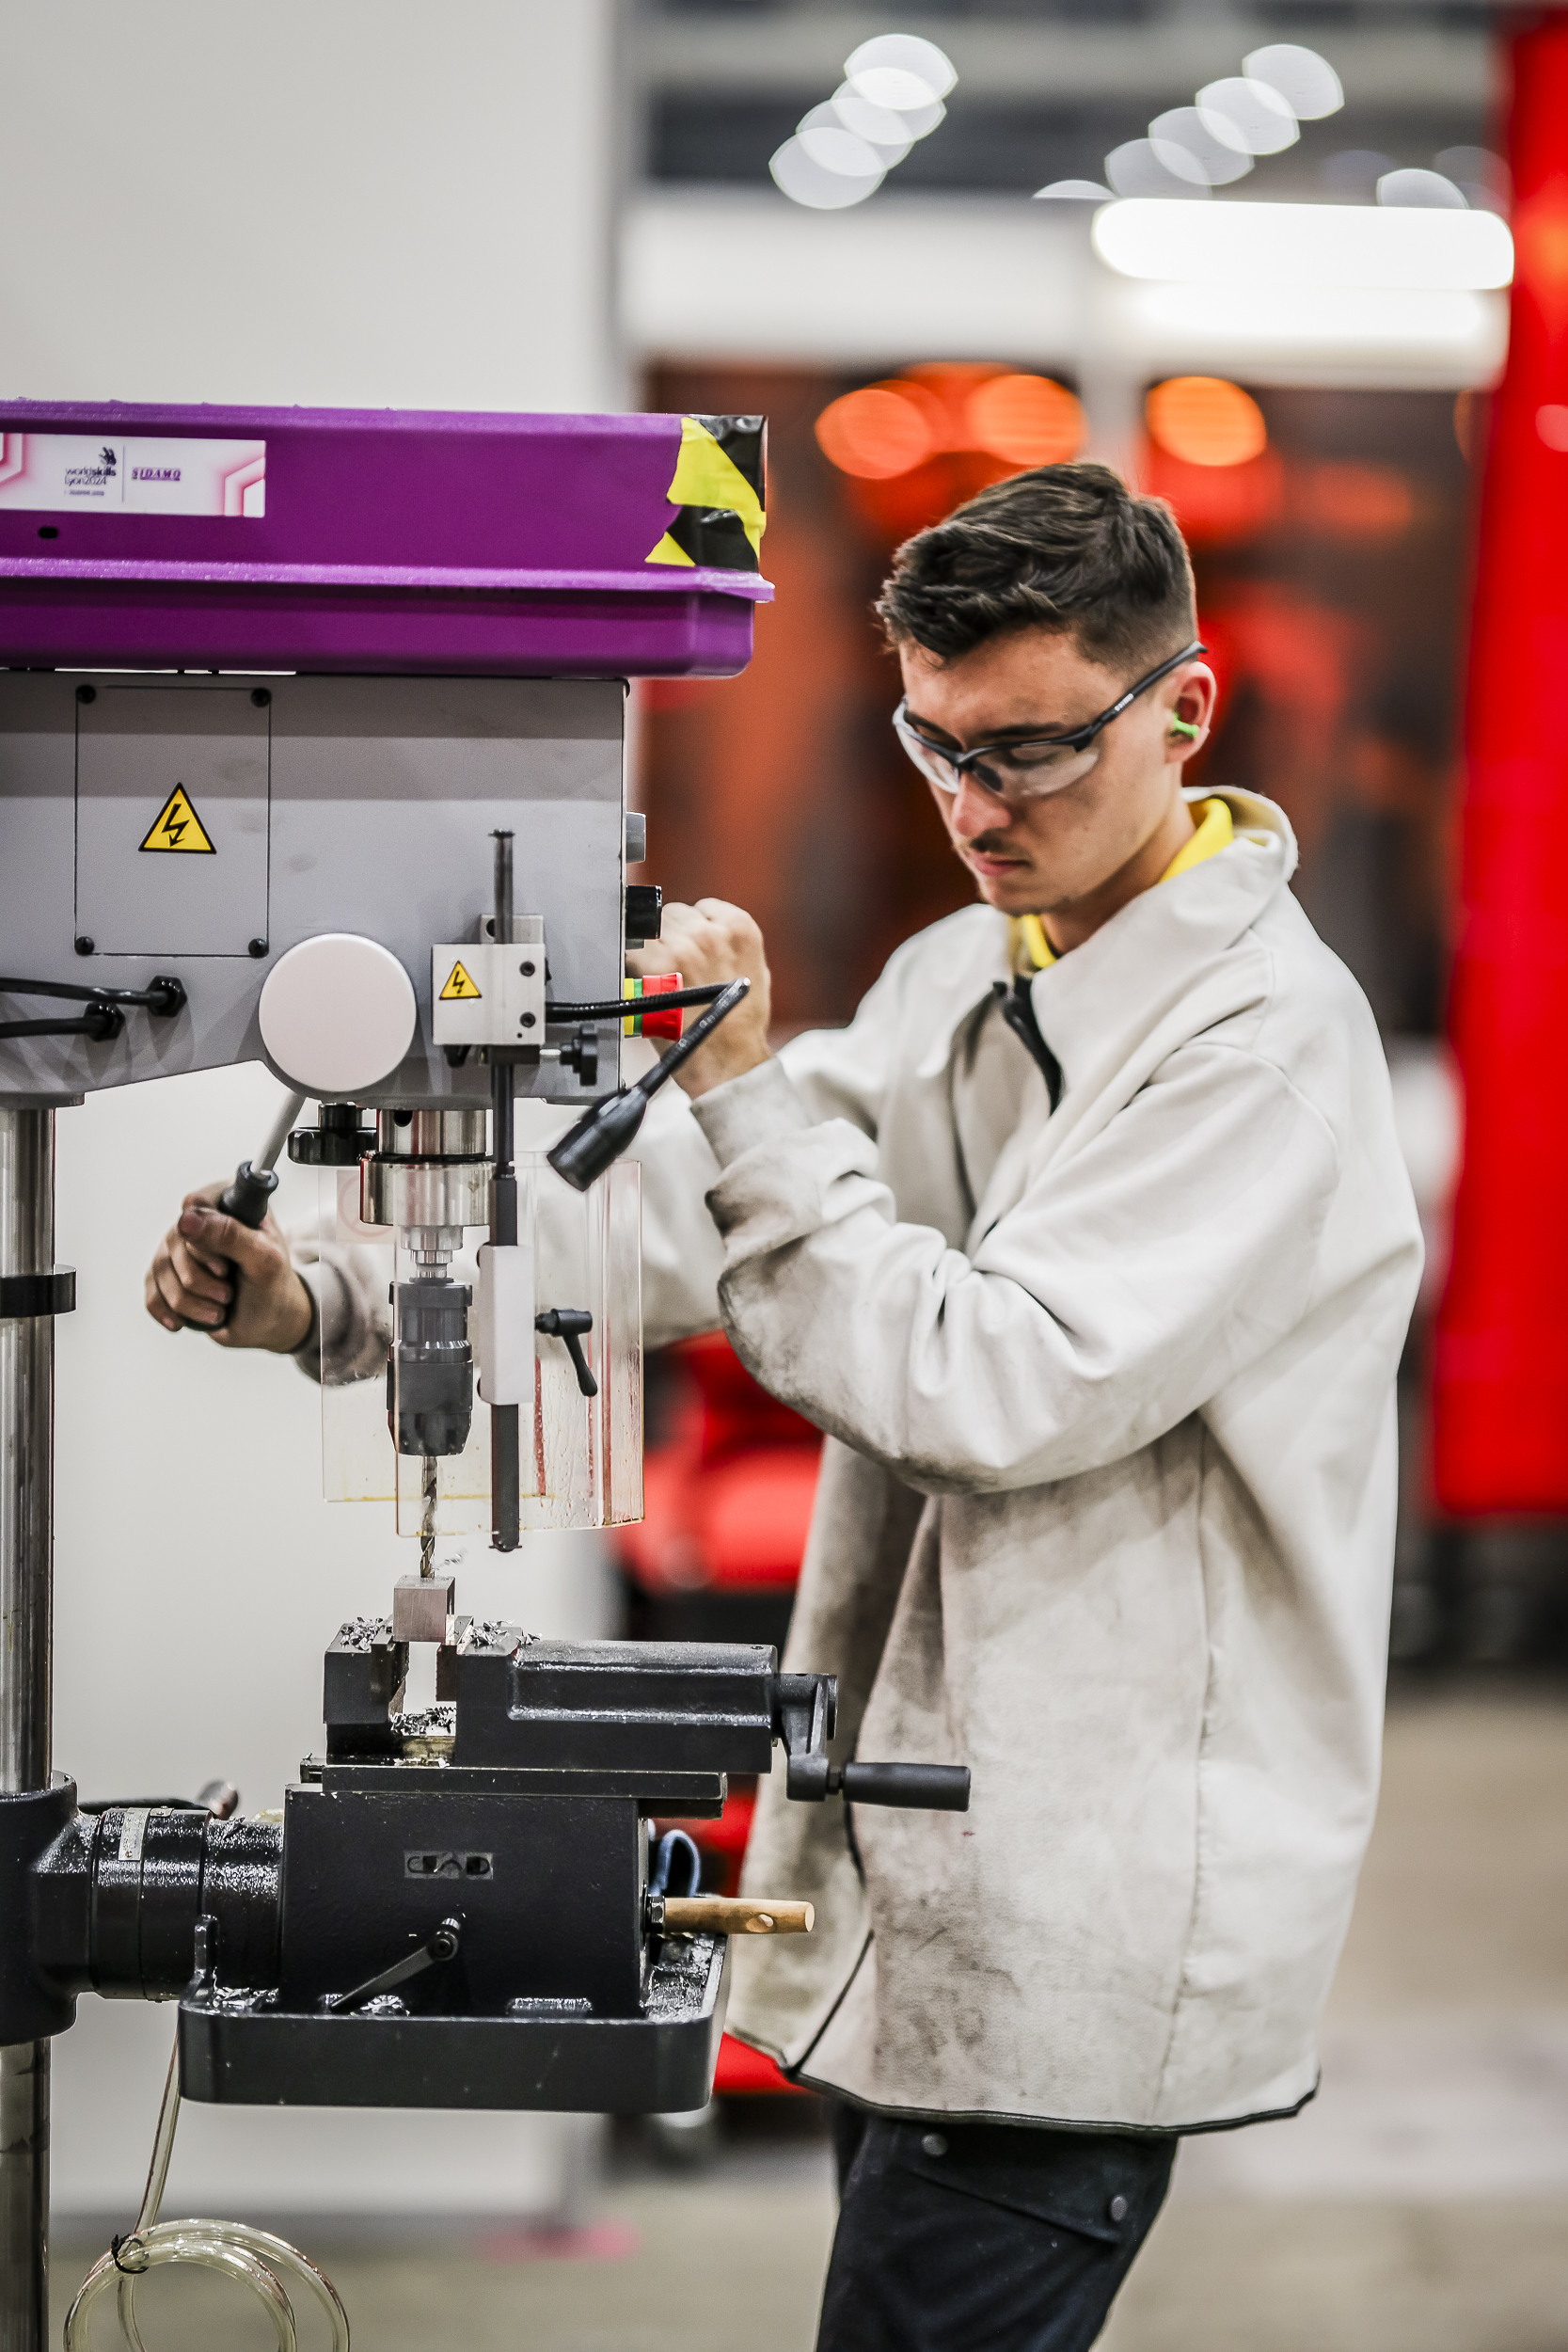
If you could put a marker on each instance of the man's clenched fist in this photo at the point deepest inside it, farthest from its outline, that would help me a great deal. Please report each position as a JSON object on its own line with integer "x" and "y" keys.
{"x": 207, "y": 1261}
{"x": 714, "y": 940}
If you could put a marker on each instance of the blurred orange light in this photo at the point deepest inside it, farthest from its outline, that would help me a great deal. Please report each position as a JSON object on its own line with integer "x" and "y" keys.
{"x": 1206, "y": 421}
{"x": 1025, "y": 419}
{"x": 1359, "y": 502}
{"x": 878, "y": 432}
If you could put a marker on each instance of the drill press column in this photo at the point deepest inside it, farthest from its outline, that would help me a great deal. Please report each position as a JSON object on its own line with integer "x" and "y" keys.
{"x": 26, "y": 1548}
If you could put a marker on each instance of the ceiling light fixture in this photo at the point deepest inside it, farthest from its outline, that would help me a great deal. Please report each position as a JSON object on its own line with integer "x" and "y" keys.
{"x": 1180, "y": 133}
{"x": 1247, "y": 115}
{"x": 900, "y": 70}
{"x": 1308, "y": 83}
{"x": 890, "y": 96}
{"x": 1288, "y": 245}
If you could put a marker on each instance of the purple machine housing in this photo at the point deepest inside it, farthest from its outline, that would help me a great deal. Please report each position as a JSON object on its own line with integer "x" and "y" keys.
{"x": 450, "y": 544}
{"x": 438, "y": 613}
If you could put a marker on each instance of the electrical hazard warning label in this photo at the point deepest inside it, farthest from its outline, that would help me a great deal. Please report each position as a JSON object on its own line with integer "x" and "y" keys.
{"x": 460, "y": 988}
{"x": 176, "y": 826}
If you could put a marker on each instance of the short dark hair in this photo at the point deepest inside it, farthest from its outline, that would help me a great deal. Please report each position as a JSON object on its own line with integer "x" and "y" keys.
{"x": 1067, "y": 547}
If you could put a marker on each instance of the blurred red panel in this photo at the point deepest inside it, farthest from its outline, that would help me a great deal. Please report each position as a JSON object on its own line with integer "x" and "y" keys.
{"x": 741, "y": 2068}
{"x": 728, "y": 1492}
{"x": 1501, "y": 1374}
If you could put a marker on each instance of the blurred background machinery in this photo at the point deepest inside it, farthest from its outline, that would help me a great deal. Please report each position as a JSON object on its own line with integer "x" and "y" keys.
{"x": 729, "y": 1480}
{"x": 921, "y": 301}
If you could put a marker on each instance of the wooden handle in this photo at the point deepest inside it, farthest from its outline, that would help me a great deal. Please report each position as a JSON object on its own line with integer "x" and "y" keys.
{"x": 726, "y": 1915}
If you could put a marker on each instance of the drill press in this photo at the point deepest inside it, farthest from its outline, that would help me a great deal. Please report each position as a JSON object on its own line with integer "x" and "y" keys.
{"x": 312, "y": 754}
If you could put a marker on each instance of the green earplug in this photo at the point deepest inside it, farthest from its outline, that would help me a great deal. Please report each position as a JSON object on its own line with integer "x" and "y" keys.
{"x": 1184, "y": 726}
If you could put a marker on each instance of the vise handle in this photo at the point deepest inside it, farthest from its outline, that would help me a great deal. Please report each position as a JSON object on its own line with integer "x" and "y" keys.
{"x": 727, "y": 1914}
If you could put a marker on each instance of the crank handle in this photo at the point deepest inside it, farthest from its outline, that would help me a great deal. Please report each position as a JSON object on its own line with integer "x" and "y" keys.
{"x": 727, "y": 1914}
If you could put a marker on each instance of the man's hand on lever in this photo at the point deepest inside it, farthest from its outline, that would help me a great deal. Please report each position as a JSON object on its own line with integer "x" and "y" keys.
{"x": 709, "y": 943}
{"x": 210, "y": 1273}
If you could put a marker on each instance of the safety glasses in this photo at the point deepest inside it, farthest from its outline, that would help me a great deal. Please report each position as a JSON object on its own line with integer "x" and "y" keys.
{"x": 1034, "y": 767}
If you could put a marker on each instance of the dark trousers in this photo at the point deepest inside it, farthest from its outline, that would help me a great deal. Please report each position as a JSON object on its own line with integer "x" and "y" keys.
{"x": 983, "y": 2237}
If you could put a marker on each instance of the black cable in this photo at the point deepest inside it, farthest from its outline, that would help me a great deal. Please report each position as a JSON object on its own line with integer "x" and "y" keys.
{"x": 667, "y": 1000}
{"x": 100, "y": 1021}
{"x": 602, "y": 1133}
{"x": 164, "y": 996}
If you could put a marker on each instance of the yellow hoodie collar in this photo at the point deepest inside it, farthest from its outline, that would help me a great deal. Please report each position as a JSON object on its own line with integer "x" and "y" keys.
{"x": 1029, "y": 949}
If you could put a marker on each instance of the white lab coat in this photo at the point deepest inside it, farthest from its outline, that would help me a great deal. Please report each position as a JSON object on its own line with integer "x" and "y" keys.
{"x": 1107, "y": 1505}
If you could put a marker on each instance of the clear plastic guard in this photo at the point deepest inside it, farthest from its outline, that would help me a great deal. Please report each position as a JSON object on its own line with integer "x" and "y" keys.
{"x": 580, "y": 1457}
{"x": 357, "y": 1461}
{"x": 587, "y": 1451}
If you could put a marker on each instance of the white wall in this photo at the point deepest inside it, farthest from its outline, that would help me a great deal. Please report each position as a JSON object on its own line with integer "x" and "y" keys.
{"x": 340, "y": 204}
{"x": 317, "y": 201}
{"x": 198, "y": 1576}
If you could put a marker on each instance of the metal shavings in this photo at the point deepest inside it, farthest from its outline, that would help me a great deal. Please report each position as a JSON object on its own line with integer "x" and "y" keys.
{"x": 238, "y": 1998}
{"x": 361, "y": 1632}
{"x": 678, "y": 1980}
{"x": 494, "y": 1633}
{"x": 428, "y": 1723}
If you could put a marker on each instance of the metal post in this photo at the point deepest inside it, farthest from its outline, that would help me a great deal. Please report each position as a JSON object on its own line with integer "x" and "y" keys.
{"x": 505, "y": 1432}
{"x": 27, "y": 1560}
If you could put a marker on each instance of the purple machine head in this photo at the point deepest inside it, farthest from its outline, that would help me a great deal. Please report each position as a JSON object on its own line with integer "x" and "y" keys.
{"x": 271, "y": 677}
{"x": 370, "y": 541}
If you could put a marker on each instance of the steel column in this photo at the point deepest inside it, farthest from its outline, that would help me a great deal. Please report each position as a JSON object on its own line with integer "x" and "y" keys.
{"x": 26, "y": 1548}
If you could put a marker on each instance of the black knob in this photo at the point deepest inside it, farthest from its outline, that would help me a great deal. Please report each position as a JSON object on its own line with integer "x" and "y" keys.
{"x": 644, "y": 912}
{"x": 339, "y": 1142}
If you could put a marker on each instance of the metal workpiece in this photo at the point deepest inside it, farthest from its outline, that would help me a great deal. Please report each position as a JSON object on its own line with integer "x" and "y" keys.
{"x": 422, "y": 1608}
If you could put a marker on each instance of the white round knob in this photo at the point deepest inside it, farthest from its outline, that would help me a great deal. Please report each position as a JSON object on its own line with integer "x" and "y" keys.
{"x": 337, "y": 1013}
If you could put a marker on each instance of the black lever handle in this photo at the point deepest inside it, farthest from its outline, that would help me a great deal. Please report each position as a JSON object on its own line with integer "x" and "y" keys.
{"x": 104, "y": 1017}
{"x": 249, "y": 1197}
{"x": 567, "y": 1325}
{"x": 921, "y": 1788}
{"x": 442, "y": 1944}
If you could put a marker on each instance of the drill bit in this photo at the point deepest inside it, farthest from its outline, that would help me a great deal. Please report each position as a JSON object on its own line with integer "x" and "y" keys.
{"x": 427, "y": 1518}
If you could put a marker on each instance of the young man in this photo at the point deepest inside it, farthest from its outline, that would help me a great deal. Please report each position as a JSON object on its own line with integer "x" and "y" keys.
{"x": 1089, "y": 1245}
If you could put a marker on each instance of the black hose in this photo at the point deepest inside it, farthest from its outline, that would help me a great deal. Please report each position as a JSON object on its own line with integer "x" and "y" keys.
{"x": 666, "y": 1000}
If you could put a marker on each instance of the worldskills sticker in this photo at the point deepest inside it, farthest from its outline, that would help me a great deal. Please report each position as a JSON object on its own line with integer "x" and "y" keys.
{"x": 51, "y": 471}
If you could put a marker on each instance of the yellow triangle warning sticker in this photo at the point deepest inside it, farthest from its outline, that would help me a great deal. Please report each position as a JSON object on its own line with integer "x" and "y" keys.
{"x": 459, "y": 989}
{"x": 176, "y": 826}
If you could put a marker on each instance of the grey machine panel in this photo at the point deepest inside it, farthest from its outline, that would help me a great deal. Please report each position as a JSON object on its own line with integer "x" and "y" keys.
{"x": 330, "y": 805}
